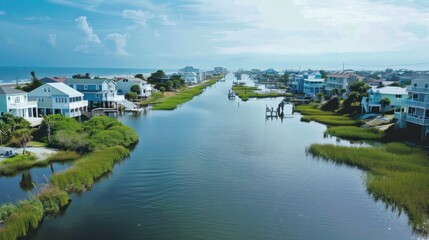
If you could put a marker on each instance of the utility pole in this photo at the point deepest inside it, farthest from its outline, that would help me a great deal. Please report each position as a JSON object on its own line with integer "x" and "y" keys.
{"x": 343, "y": 67}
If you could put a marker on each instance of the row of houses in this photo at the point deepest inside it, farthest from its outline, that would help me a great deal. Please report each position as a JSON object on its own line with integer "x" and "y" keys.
{"x": 193, "y": 75}
{"x": 70, "y": 97}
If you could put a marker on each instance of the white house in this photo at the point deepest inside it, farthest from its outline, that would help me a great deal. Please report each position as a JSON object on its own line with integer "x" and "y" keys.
{"x": 16, "y": 102}
{"x": 413, "y": 112}
{"x": 123, "y": 85}
{"x": 340, "y": 80}
{"x": 373, "y": 103}
{"x": 190, "y": 77}
{"x": 58, "y": 98}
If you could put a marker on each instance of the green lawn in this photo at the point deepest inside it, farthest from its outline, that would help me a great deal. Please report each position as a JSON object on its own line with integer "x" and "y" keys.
{"x": 246, "y": 92}
{"x": 356, "y": 133}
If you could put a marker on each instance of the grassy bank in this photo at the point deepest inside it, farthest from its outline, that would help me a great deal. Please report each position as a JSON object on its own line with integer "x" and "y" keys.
{"x": 161, "y": 101}
{"x": 13, "y": 165}
{"x": 246, "y": 92}
{"x": 85, "y": 171}
{"x": 398, "y": 175}
{"x": 313, "y": 113}
{"x": 104, "y": 138}
{"x": 356, "y": 133}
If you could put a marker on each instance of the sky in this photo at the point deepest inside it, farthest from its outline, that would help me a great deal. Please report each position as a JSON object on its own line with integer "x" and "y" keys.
{"x": 283, "y": 34}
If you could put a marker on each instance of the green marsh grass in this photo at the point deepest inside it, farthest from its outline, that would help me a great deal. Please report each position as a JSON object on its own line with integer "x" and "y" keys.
{"x": 185, "y": 95}
{"x": 26, "y": 216}
{"x": 85, "y": 171}
{"x": 398, "y": 175}
{"x": 313, "y": 113}
{"x": 356, "y": 133}
{"x": 246, "y": 92}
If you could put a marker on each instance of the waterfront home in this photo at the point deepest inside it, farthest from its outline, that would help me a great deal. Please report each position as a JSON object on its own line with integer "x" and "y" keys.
{"x": 58, "y": 98}
{"x": 375, "y": 103}
{"x": 123, "y": 85}
{"x": 220, "y": 71}
{"x": 189, "y": 69}
{"x": 190, "y": 77}
{"x": 413, "y": 112}
{"x": 313, "y": 84}
{"x": 340, "y": 80}
{"x": 100, "y": 93}
{"x": 16, "y": 102}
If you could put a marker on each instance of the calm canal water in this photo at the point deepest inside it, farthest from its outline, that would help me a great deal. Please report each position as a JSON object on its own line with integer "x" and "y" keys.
{"x": 217, "y": 169}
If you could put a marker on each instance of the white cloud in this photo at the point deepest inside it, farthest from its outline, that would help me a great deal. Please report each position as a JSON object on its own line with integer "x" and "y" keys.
{"x": 140, "y": 17}
{"x": 311, "y": 26}
{"x": 2, "y": 13}
{"x": 166, "y": 21}
{"x": 116, "y": 43}
{"x": 82, "y": 25}
{"x": 52, "y": 40}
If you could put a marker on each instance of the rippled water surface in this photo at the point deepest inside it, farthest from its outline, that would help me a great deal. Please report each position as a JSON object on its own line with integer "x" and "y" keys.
{"x": 217, "y": 169}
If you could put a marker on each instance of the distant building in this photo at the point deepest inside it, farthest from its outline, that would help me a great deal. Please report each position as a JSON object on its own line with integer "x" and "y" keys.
{"x": 53, "y": 79}
{"x": 270, "y": 72}
{"x": 189, "y": 69}
{"x": 58, "y": 98}
{"x": 220, "y": 71}
{"x": 372, "y": 103}
{"x": 190, "y": 77}
{"x": 340, "y": 80}
{"x": 16, "y": 102}
{"x": 413, "y": 113}
{"x": 313, "y": 84}
{"x": 123, "y": 85}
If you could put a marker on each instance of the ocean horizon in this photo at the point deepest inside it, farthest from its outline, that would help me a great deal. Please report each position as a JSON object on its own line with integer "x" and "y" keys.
{"x": 22, "y": 74}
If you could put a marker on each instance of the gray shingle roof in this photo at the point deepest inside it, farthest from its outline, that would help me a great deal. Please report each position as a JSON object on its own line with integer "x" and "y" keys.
{"x": 9, "y": 90}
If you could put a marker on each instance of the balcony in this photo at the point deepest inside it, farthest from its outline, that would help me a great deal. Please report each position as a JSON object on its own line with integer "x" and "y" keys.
{"x": 412, "y": 103}
{"x": 115, "y": 98}
{"x": 71, "y": 105}
{"x": 22, "y": 105}
{"x": 418, "y": 120}
{"x": 418, "y": 90}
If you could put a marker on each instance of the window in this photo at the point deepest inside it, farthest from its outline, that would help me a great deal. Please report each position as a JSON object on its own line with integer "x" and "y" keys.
{"x": 85, "y": 87}
{"x": 426, "y": 85}
{"x": 415, "y": 84}
{"x": 97, "y": 87}
{"x": 96, "y": 95}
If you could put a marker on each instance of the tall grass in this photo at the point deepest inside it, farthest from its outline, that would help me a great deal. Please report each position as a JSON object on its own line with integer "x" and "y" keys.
{"x": 398, "y": 175}
{"x": 26, "y": 216}
{"x": 85, "y": 171}
{"x": 355, "y": 133}
{"x": 313, "y": 113}
{"x": 185, "y": 95}
{"x": 53, "y": 199}
{"x": 246, "y": 92}
{"x": 17, "y": 163}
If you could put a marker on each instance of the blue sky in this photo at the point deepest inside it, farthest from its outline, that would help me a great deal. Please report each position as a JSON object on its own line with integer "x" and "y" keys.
{"x": 364, "y": 34}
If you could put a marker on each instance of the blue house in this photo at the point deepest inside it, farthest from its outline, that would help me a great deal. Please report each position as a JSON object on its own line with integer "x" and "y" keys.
{"x": 100, "y": 93}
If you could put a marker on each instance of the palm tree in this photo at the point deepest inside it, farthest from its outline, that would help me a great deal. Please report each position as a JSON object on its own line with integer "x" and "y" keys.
{"x": 23, "y": 136}
{"x": 48, "y": 122}
{"x": 384, "y": 102}
{"x": 4, "y": 130}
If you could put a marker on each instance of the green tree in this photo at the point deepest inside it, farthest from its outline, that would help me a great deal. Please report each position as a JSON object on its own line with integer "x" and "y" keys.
{"x": 48, "y": 122}
{"x": 359, "y": 87}
{"x": 131, "y": 96}
{"x": 335, "y": 91}
{"x": 23, "y": 136}
{"x": 156, "y": 77}
{"x": 4, "y": 130}
{"x": 169, "y": 85}
{"x": 324, "y": 74}
{"x": 136, "y": 88}
{"x": 320, "y": 96}
{"x": 35, "y": 83}
{"x": 384, "y": 102}
{"x": 162, "y": 89}
{"x": 141, "y": 76}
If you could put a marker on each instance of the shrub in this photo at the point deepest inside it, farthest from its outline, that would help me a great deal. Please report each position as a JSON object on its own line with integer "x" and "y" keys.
{"x": 71, "y": 140}
{"x": 53, "y": 199}
{"x": 99, "y": 123}
{"x": 331, "y": 105}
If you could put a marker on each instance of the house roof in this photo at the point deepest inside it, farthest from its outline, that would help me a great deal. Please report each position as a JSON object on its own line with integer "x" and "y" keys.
{"x": 9, "y": 90}
{"x": 86, "y": 81}
{"x": 53, "y": 79}
{"x": 342, "y": 74}
{"x": 391, "y": 90}
{"x": 64, "y": 89}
